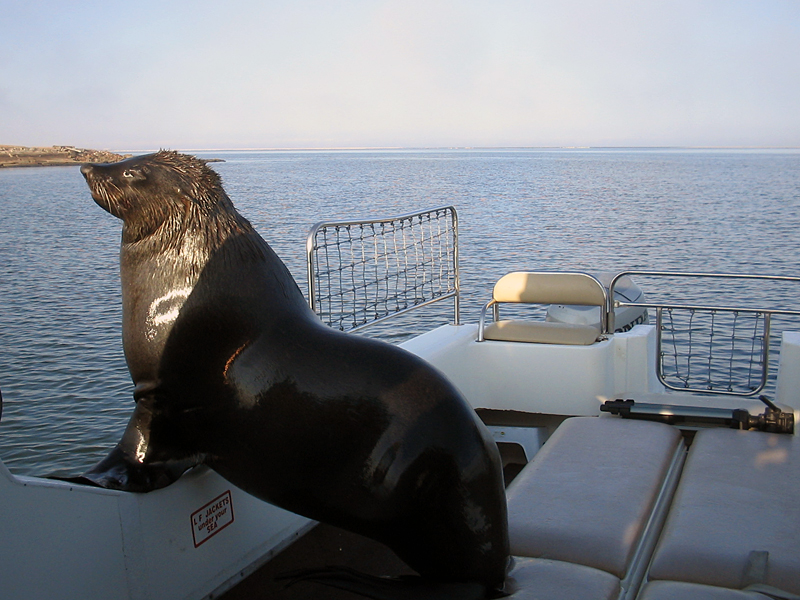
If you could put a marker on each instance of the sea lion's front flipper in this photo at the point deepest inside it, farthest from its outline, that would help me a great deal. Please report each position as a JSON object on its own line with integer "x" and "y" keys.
{"x": 135, "y": 464}
{"x": 119, "y": 471}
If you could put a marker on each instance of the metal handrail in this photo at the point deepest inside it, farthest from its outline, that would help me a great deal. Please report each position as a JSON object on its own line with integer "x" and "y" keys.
{"x": 311, "y": 247}
{"x": 660, "y": 307}
{"x": 612, "y": 303}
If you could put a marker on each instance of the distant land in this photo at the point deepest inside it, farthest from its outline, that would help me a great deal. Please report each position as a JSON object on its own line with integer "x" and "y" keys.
{"x": 54, "y": 156}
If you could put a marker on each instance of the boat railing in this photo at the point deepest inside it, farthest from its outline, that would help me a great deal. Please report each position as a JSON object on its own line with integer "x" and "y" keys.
{"x": 711, "y": 348}
{"x": 361, "y": 272}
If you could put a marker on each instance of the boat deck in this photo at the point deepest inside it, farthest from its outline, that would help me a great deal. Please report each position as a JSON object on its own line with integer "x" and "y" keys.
{"x": 618, "y": 508}
{"x": 324, "y": 545}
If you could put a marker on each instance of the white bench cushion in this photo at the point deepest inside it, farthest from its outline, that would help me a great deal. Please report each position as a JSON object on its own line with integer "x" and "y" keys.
{"x": 587, "y": 495}
{"x": 541, "y": 579}
{"x": 739, "y": 493}
{"x": 673, "y": 590}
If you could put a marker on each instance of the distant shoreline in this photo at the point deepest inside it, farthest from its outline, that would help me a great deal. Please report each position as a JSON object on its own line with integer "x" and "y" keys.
{"x": 53, "y": 156}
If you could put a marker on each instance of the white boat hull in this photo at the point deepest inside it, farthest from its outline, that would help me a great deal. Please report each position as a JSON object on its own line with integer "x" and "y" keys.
{"x": 197, "y": 537}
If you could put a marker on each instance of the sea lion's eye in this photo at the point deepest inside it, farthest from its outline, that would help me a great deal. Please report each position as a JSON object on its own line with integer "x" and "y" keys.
{"x": 135, "y": 174}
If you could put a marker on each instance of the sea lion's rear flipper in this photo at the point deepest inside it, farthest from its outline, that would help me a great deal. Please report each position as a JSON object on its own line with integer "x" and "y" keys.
{"x": 405, "y": 587}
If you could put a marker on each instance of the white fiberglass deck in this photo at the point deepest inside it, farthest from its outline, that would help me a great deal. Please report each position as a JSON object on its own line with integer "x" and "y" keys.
{"x": 575, "y": 380}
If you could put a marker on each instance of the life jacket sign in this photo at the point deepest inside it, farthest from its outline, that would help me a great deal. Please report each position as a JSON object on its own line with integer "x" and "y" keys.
{"x": 212, "y": 518}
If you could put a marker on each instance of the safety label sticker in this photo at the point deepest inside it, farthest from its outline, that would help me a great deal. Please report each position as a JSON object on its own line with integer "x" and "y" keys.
{"x": 212, "y": 518}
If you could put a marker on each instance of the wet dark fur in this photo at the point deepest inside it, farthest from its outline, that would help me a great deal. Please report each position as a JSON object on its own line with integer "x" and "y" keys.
{"x": 232, "y": 369}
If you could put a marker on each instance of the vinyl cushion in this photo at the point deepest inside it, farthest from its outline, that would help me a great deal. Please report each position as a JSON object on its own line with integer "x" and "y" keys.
{"x": 541, "y": 579}
{"x": 541, "y": 332}
{"x": 739, "y": 498}
{"x": 586, "y": 496}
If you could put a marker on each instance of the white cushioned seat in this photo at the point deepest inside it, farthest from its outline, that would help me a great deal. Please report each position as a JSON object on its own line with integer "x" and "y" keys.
{"x": 543, "y": 287}
{"x": 739, "y": 498}
{"x": 587, "y": 495}
{"x": 541, "y": 579}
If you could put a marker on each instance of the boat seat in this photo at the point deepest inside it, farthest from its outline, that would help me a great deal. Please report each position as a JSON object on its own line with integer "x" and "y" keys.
{"x": 735, "y": 518}
{"x": 524, "y": 287}
{"x": 595, "y": 493}
{"x": 543, "y": 579}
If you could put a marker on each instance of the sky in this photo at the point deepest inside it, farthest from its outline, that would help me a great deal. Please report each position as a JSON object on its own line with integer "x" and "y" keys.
{"x": 230, "y": 74}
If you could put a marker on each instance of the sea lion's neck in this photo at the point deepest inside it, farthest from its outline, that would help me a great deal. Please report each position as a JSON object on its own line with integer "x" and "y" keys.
{"x": 160, "y": 271}
{"x": 194, "y": 237}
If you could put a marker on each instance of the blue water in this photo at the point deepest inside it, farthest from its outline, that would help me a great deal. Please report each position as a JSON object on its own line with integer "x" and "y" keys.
{"x": 65, "y": 385}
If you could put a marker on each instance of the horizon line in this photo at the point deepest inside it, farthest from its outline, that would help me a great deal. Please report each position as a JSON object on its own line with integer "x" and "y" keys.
{"x": 413, "y": 148}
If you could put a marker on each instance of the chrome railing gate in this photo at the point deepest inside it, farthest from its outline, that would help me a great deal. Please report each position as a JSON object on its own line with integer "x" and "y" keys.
{"x": 362, "y": 272}
{"x": 760, "y": 331}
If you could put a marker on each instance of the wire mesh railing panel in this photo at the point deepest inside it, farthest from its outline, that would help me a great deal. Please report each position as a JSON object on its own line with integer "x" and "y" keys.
{"x": 718, "y": 333}
{"x": 713, "y": 350}
{"x": 361, "y": 272}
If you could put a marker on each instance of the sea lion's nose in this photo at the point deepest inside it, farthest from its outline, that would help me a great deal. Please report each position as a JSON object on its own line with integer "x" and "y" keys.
{"x": 86, "y": 169}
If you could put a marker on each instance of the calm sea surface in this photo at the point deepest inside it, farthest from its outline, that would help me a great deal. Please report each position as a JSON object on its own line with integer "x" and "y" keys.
{"x": 66, "y": 388}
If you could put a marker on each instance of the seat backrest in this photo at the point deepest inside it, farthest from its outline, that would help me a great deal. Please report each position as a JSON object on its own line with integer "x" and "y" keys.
{"x": 550, "y": 288}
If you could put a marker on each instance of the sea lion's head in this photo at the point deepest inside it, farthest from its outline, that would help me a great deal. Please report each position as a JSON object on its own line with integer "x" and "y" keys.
{"x": 162, "y": 191}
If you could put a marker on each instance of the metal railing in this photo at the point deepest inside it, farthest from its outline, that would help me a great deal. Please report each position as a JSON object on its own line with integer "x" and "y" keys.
{"x": 710, "y": 348}
{"x": 364, "y": 271}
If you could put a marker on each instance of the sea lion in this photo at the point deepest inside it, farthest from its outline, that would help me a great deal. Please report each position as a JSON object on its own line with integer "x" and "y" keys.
{"x": 233, "y": 369}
